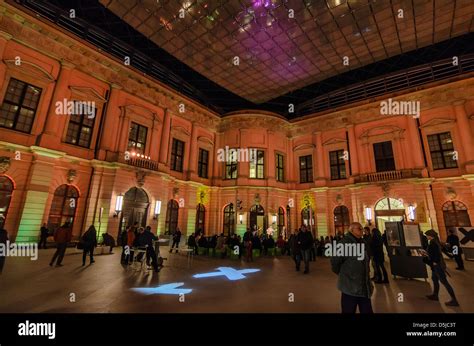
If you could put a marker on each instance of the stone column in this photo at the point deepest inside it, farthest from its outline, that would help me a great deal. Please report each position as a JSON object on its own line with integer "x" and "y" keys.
{"x": 321, "y": 211}
{"x": 466, "y": 134}
{"x": 193, "y": 152}
{"x": 321, "y": 176}
{"x": 165, "y": 139}
{"x": 354, "y": 157}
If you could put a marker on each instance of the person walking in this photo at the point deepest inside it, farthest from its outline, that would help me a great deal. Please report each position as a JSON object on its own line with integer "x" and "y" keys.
{"x": 176, "y": 239}
{"x": 295, "y": 248}
{"x": 305, "y": 241}
{"x": 248, "y": 245}
{"x": 44, "y": 234}
{"x": 376, "y": 246}
{"x": 434, "y": 258}
{"x": 89, "y": 240}
{"x": 455, "y": 248}
{"x": 3, "y": 240}
{"x": 353, "y": 274}
{"x": 62, "y": 236}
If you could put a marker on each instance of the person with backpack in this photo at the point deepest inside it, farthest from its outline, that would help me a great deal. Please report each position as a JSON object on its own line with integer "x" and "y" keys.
{"x": 89, "y": 242}
{"x": 434, "y": 259}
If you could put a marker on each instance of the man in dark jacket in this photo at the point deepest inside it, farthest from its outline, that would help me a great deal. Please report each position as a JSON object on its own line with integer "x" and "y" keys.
{"x": 248, "y": 245}
{"x": 354, "y": 274}
{"x": 192, "y": 243}
{"x": 305, "y": 241}
{"x": 176, "y": 239}
{"x": 3, "y": 240}
{"x": 455, "y": 248}
{"x": 62, "y": 236}
{"x": 89, "y": 240}
{"x": 44, "y": 234}
{"x": 146, "y": 240}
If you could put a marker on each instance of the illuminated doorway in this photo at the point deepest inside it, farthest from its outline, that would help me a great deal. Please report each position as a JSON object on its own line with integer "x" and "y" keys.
{"x": 388, "y": 210}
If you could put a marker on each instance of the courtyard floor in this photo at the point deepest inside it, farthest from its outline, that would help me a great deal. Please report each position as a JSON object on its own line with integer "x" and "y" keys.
{"x": 105, "y": 286}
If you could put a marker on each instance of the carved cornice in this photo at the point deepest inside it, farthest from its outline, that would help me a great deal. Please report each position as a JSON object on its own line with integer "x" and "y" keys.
{"x": 31, "y": 69}
{"x": 87, "y": 93}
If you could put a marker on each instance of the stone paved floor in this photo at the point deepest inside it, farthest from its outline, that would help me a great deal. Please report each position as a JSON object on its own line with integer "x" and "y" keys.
{"x": 33, "y": 286}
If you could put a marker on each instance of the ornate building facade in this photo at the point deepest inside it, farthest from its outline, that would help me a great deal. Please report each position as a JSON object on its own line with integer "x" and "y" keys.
{"x": 150, "y": 155}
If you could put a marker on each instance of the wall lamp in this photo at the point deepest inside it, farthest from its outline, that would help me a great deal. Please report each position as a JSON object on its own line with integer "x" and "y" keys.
{"x": 157, "y": 210}
{"x": 241, "y": 218}
{"x": 118, "y": 205}
{"x": 411, "y": 213}
{"x": 368, "y": 215}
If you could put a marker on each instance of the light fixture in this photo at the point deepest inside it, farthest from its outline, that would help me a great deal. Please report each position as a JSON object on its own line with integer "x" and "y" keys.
{"x": 118, "y": 205}
{"x": 411, "y": 213}
{"x": 368, "y": 214}
{"x": 157, "y": 209}
{"x": 274, "y": 218}
{"x": 241, "y": 218}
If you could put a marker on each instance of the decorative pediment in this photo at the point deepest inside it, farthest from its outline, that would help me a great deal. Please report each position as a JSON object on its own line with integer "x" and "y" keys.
{"x": 335, "y": 141}
{"x": 438, "y": 122}
{"x": 304, "y": 146}
{"x": 139, "y": 110}
{"x": 205, "y": 140}
{"x": 180, "y": 129}
{"x": 30, "y": 69}
{"x": 87, "y": 93}
{"x": 382, "y": 131}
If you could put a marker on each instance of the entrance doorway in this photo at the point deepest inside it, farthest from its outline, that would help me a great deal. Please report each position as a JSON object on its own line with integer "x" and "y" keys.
{"x": 388, "y": 210}
{"x": 257, "y": 218}
{"x": 135, "y": 209}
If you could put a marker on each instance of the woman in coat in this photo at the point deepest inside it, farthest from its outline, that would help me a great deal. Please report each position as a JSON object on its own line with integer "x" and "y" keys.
{"x": 378, "y": 257}
{"x": 89, "y": 240}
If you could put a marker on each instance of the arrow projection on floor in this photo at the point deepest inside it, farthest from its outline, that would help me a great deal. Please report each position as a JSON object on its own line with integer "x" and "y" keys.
{"x": 164, "y": 289}
{"x": 229, "y": 272}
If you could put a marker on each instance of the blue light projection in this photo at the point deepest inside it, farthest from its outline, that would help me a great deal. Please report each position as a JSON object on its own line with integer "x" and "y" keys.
{"x": 164, "y": 289}
{"x": 229, "y": 272}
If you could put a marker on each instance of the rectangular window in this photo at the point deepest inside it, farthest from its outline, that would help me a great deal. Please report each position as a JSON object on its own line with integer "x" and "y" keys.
{"x": 203, "y": 162}
{"x": 177, "y": 155}
{"x": 280, "y": 170}
{"x": 384, "y": 160}
{"x": 337, "y": 164}
{"x": 306, "y": 169}
{"x": 137, "y": 138}
{"x": 442, "y": 150}
{"x": 19, "y": 106}
{"x": 79, "y": 130}
{"x": 257, "y": 164}
{"x": 231, "y": 166}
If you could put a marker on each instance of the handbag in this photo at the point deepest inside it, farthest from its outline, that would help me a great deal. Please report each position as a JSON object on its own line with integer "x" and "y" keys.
{"x": 80, "y": 245}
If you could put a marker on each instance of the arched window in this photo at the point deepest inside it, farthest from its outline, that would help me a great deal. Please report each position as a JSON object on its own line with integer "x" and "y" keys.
{"x": 229, "y": 220}
{"x": 257, "y": 218}
{"x": 281, "y": 220}
{"x": 200, "y": 217}
{"x": 389, "y": 204}
{"x": 6, "y": 189}
{"x": 455, "y": 214}
{"x": 63, "y": 207}
{"x": 171, "y": 222}
{"x": 341, "y": 219}
{"x": 135, "y": 208}
{"x": 306, "y": 215}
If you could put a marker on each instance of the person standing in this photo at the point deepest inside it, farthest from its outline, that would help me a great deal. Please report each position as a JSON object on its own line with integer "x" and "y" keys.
{"x": 354, "y": 274}
{"x": 44, "y": 234}
{"x": 146, "y": 239}
{"x": 248, "y": 245}
{"x": 62, "y": 236}
{"x": 89, "y": 240}
{"x": 455, "y": 248}
{"x": 376, "y": 246}
{"x": 305, "y": 241}
{"x": 3, "y": 240}
{"x": 434, "y": 258}
{"x": 295, "y": 247}
{"x": 176, "y": 239}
